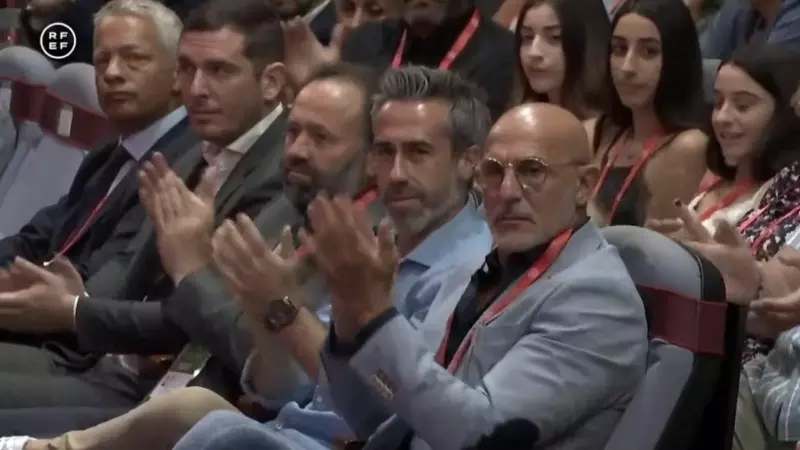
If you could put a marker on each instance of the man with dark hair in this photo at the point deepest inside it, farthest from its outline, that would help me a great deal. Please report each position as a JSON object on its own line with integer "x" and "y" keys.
{"x": 230, "y": 76}
{"x": 442, "y": 34}
{"x": 327, "y": 137}
{"x": 420, "y": 169}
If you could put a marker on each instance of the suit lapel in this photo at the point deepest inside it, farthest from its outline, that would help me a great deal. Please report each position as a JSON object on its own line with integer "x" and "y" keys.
{"x": 176, "y": 138}
{"x": 265, "y": 155}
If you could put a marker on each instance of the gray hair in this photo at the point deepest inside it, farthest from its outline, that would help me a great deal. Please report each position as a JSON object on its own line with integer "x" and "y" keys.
{"x": 167, "y": 23}
{"x": 469, "y": 116}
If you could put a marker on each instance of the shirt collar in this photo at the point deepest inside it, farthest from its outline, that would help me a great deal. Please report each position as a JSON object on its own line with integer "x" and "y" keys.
{"x": 139, "y": 143}
{"x": 245, "y": 141}
{"x": 316, "y": 11}
{"x": 467, "y": 222}
{"x": 518, "y": 262}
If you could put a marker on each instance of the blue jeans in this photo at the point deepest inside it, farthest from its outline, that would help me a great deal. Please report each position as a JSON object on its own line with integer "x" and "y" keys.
{"x": 225, "y": 430}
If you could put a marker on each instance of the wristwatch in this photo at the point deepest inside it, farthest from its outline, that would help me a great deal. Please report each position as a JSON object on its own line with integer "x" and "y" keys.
{"x": 280, "y": 314}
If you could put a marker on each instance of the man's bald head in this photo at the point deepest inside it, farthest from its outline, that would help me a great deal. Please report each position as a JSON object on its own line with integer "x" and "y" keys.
{"x": 548, "y": 131}
{"x": 537, "y": 177}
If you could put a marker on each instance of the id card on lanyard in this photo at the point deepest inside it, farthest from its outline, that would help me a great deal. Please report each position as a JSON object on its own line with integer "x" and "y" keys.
{"x": 648, "y": 149}
{"x": 458, "y": 46}
{"x": 525, "y": 281}
{"x": 187, "y": 365}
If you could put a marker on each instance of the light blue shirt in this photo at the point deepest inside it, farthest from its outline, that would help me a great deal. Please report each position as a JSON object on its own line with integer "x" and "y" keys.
{"x": 466, "y": 233}
{"x": 775, "y": 379}
{"x": 138, "y": 144}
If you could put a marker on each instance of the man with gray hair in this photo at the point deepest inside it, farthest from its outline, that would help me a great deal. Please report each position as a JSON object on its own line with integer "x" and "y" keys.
{"x": 135, "y": 45}
{"x": 427, "y": 129}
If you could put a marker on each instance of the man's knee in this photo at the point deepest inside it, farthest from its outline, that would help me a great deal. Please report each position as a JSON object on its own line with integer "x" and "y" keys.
{"x": 183, "y": 408}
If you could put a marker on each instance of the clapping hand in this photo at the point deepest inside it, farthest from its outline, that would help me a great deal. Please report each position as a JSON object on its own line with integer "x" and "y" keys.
{"x": 45, "y": 298}
{"x": 357, "y": 265}
{"x": 183, "y": 220}
{"x": 304, "y": 53}
{"x": 254, "y": 271}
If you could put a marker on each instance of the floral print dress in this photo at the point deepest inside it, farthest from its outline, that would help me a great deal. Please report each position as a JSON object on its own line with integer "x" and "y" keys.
{"x": 768, "y": 225}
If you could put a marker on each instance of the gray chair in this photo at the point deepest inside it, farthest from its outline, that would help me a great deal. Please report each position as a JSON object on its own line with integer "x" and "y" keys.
{"x": 24, "y": 77}
{"x": 9, "y": 18}
{"x": 710, "y": 68}
{"x": 687, "y": 399}
{"x": 73, "y": 123}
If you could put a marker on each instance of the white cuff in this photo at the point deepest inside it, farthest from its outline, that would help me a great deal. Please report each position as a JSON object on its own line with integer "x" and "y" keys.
{"x": 75, "y": 308}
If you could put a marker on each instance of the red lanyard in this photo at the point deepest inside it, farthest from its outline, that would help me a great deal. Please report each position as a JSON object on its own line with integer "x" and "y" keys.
{"x": 709, "y": 181}
{"x": 528, "y": 278}
{"x": 365, "y": 198}
{"x": 76, "y": 234}
{"x": 648, "y": 148}
{"x": 736, "y": 191}
{"x": 461, "y": 42}
{"x": 769, "y": 230}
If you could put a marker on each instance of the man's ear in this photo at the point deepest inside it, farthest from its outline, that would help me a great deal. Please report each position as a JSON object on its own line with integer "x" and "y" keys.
{"x": 273, "y": 82}
{"x": 468, "y": 161}
{"x": 588, "y": 176}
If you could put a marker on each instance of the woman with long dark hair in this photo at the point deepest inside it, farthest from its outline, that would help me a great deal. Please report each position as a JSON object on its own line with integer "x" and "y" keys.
{"x": 755, "y": 132}
{"x": 557, "y": 54}
{"x": 653, "y": 127}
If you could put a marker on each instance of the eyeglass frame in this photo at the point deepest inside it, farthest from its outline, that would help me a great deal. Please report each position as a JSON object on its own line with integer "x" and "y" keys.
{"x": 546, "y": 166}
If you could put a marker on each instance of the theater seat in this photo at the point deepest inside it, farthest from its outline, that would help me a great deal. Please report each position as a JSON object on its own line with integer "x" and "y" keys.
{"x": 72, "y": 123}
{"x": 710, "y": 68}
{"x": 24, "y": 77}
{"x": 687, "y": 399}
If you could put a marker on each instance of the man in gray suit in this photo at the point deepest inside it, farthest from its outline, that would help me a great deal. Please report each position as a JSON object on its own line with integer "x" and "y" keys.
{"x": 549, "y": 327}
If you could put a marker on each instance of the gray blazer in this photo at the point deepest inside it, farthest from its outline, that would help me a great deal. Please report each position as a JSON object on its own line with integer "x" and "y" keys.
{"x": 565, "y": 355}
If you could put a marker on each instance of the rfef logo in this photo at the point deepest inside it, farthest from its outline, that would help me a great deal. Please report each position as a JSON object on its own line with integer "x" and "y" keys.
{"x": 58, "y": 41}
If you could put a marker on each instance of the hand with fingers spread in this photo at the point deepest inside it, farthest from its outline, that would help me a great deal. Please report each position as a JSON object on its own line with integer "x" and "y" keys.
{"x": 304, "y": 53}
{"x": 183, "y": 220}
{"x": 46, "y": 303}
{"x": 255, "y": 272}
{"x": 686, "y": 227}
{"x": 358, "y": 265}
{"x": 729, "y": 252}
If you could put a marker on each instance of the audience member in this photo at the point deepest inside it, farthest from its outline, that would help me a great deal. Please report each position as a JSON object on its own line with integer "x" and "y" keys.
{"x": 440, "y": 222}
{"x": 377, "y": 364}
{"x": 443, "y": 33}
{"x": 752, "y": 21}
{"x": 428, "y": 128}
{"x": 652, "y": 129}
{"x": 352, "y": 13}
{"x": 139, "y": 103}
{"x": 554, "y": 40}
{"x": 100, "y": 213}
{"x": 766, "y": 412}
{"x": 325, "y": 144}
{"x": 226, "y": 53}
{"x": 753, "y": 135}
